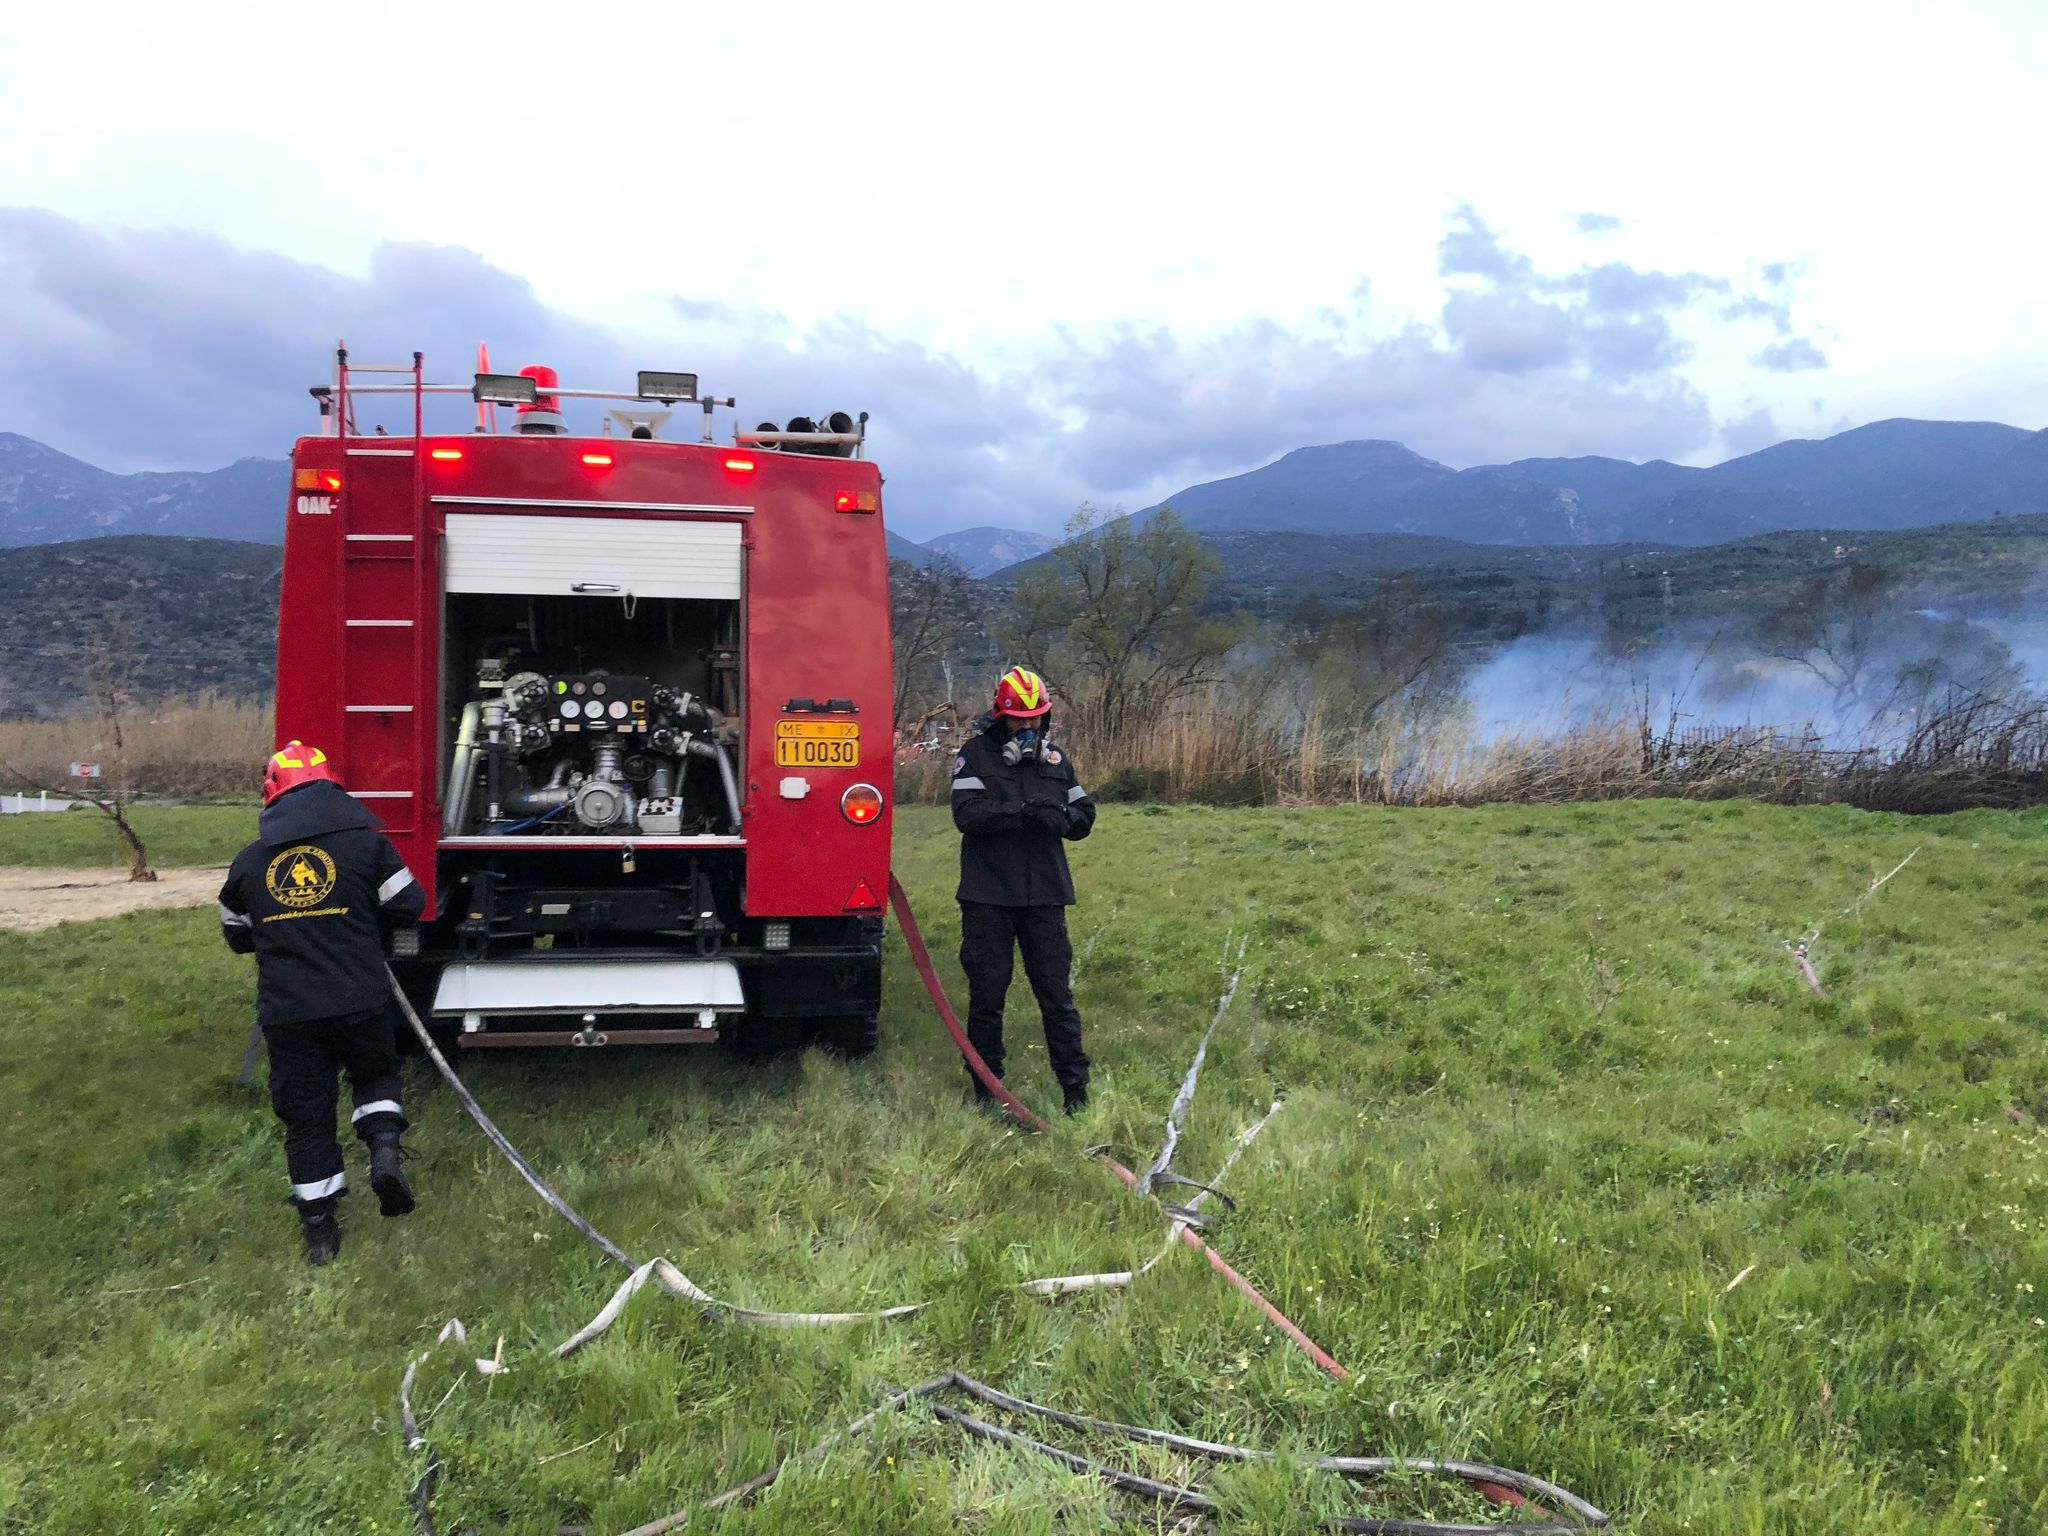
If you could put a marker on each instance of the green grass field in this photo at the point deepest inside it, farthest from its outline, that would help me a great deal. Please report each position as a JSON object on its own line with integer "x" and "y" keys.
{"x": 187, "y": 835}
{"x": 1552, "y": 1085}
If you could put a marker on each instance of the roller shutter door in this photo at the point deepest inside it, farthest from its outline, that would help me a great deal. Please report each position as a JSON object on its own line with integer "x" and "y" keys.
{"x": 591, "y": 556}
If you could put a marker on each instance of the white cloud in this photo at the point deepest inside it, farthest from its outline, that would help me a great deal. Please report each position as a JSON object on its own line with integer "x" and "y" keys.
{"x": 1063, "y": 251}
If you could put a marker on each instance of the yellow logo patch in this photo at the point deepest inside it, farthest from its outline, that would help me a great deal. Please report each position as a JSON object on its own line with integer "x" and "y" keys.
{"x": 300, "y": 877}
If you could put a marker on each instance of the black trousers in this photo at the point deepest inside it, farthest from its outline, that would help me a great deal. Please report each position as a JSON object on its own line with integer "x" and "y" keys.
{"x": 988, "y": 938}
{"x": 304, "y": 1058}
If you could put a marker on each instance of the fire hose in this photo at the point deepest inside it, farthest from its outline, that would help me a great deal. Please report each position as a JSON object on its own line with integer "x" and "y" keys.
{"x": 1503, "y": 1484}
{"x": 921, "y": 958}
{"x": 1500, "y": 1485}
{"x": 1802, "y": 947}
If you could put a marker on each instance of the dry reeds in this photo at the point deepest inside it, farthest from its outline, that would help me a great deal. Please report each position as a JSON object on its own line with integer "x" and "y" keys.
{"x": 1239, "y": 744}
{"x": 200, "y": 746}
{"x": 1255, "y": 742}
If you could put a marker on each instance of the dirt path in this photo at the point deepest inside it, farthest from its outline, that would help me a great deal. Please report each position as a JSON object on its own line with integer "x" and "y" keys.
{"x": 41, "y": 898}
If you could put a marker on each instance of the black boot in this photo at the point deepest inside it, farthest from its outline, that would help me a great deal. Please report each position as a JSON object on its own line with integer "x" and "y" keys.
{"x": 321, "y": 1231}
{"x": 387, "y": 1174}
{"x": 1076, "y": 1098}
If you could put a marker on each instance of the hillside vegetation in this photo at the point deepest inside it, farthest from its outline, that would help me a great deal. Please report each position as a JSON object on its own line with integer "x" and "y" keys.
{"x": 1574, "y": 1174}
{"x": 1978, "y": 568}
{"x": 175, "y": 616}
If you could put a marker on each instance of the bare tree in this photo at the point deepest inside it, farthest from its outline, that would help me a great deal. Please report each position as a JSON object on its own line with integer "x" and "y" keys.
{"x": 934, "y": 616}
{"x": 1398, "y": 647}
{"x": 1831, "y": 627}
{"x": 108, "y": 662}
{"x": 1116, "y": 611}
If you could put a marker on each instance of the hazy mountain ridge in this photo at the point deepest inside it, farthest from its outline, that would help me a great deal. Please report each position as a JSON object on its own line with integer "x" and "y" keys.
{"x": 47, "y": 497}
{"x": 1889, "y": 474}
{"x": 983, "y": 550}
{"x": 1883, "y": 476}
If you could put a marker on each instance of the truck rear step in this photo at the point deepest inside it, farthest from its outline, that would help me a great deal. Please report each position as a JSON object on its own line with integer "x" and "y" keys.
{"x": 588, "y": 990}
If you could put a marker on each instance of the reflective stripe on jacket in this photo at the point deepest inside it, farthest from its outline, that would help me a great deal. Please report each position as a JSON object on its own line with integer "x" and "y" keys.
{"x": 1009, "y": 858}
{"x": 309, "y": 899}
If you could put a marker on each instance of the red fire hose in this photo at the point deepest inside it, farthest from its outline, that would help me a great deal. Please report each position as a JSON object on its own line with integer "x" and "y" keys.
{"x": 921, "y": 958}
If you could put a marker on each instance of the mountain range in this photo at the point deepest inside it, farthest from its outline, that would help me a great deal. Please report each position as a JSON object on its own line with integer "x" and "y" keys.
{"x": 48, "y": 497}
{"x": 1887, "y": 475}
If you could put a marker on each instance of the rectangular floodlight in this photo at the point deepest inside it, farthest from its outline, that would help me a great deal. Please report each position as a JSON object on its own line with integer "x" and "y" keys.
{"x": 504, "y": 389}
{"x": 668, "y": 387}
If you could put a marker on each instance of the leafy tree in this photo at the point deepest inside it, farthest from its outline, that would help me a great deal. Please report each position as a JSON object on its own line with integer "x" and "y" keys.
{"x": 1113, "y": 615}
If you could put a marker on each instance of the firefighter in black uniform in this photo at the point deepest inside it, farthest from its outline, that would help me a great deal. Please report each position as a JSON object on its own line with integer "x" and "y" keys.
{"x": 309, "y": 898}
{"x": 1015, "y": 801}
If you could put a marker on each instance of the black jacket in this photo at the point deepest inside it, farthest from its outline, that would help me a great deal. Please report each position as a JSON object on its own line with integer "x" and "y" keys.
{"x": 1012, "y": 821}
{"x": 307, "y": 898}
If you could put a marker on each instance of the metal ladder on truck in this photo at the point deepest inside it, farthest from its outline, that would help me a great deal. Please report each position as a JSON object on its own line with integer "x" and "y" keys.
{"x": 386, "y": 666}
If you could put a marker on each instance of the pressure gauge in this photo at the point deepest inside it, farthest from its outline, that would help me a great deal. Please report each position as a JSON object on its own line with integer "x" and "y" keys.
{"x": 619, "y": 710}
{"x": 594, "y": 709}
{"x": 571, "y": 709}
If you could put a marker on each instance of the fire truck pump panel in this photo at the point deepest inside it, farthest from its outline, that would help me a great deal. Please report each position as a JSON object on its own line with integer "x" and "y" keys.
{"x": 553, "y": 741}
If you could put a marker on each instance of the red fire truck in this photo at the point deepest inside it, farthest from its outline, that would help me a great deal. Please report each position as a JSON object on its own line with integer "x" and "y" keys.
{"x": 621, "y": 700}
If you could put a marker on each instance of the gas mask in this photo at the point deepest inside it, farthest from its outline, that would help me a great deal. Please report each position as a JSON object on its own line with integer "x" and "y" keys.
{"x": 1023, "y": 745}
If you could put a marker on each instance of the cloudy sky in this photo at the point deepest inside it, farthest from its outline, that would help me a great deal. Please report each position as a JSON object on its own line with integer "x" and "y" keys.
{"x": 1060, "y": 252}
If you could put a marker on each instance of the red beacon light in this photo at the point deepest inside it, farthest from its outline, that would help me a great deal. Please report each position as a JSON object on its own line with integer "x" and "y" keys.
{"x": 856, "y": 501}
{"x": 738, "y": 464}
{"x": 544, "y": 413}
{"x": 598, "y": 460}
{"x": 445, "y": 455}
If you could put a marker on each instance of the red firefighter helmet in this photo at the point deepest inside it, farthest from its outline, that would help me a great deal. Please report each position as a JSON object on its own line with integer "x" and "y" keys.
{"x": 1022, "y": 695}
{"x": 294, "y": 764}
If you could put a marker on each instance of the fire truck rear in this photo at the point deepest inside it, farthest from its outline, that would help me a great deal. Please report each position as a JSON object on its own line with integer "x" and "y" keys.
{"x": 622, "y": 702}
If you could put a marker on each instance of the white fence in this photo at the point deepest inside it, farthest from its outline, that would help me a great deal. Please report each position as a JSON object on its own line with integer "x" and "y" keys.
{"x": 19, "y": 805}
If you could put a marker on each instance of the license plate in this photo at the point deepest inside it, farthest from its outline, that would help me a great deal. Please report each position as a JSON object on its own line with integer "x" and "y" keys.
{"x": 817, "y": 743}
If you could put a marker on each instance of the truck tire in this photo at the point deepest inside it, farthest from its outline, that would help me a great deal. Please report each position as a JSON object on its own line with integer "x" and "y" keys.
{"x": 854, "y": 1036}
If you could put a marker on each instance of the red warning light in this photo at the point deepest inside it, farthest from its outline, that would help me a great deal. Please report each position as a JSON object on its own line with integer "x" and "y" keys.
{"x": 598, "y": 460}
{"x": 739, "y": 465}
{"x": 861, "y": 804}
{"x": 856, "y": 501}
{"x": 331, "y": 480}
{"x": 445, "y": 455}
